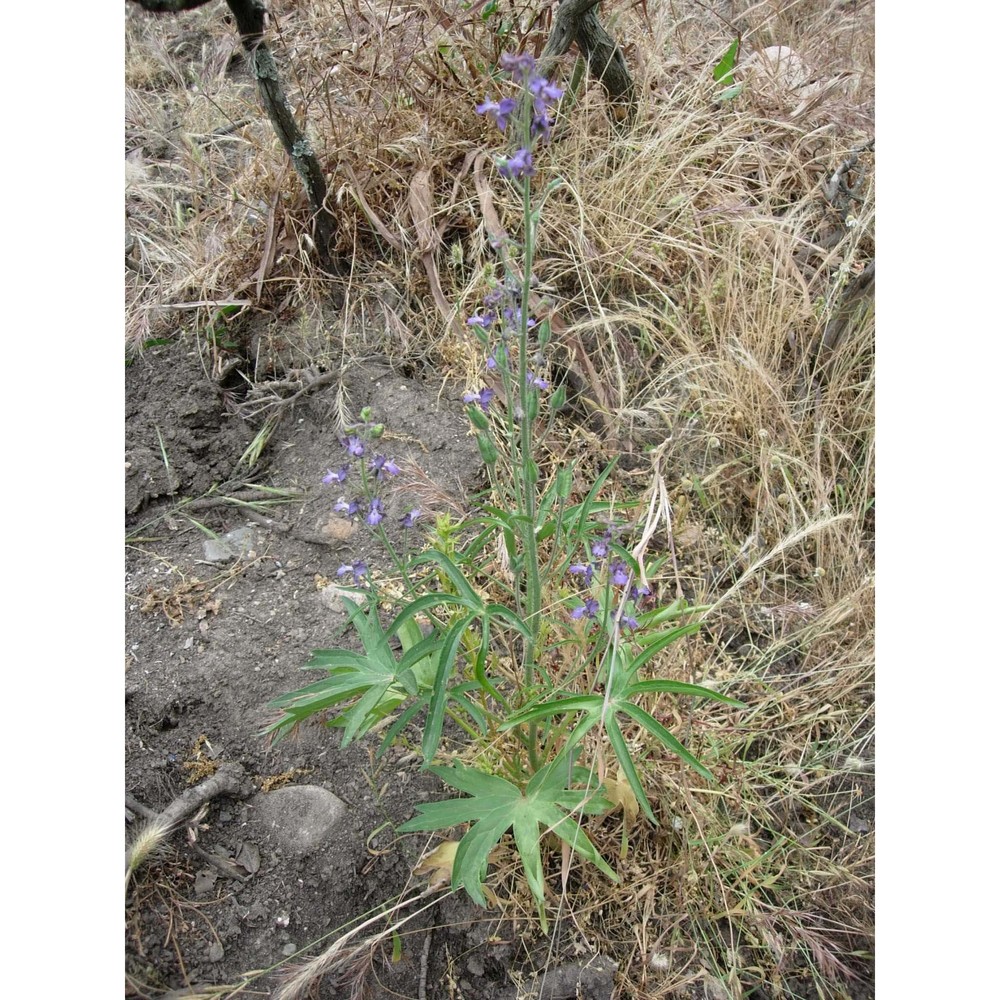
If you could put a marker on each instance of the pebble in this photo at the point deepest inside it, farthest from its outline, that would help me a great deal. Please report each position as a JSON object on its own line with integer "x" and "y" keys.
{"x": 232, "y": 545}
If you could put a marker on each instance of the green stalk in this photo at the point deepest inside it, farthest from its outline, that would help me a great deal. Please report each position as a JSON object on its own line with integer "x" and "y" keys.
{"x": 533, "y": 584}
{"x": 384, "y": 537}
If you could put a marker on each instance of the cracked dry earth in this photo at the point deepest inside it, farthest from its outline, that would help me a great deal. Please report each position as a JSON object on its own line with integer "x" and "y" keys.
{"x": 218, "y": 626}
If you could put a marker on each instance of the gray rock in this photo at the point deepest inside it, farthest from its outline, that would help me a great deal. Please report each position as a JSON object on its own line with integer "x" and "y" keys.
{"x": 298, "y": 819}
{"x": 234, "y": 544}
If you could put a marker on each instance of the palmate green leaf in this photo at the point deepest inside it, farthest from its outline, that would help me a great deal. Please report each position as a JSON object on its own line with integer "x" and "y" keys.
{"x": 494, "y": 806}
{"x": 377, "y": 680}
{"x": 623, "y": 691}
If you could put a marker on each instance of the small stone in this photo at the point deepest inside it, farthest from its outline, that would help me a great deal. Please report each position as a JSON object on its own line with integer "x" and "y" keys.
{"x": 204, "y": 881}
{"x": 859, "y": 825}
{"x": 298, "y": 819}
{"x": 289, "y": 949}
{"x": 216, "y": 953}
{"x": 333, "y": 530}
{"x": 232, "y": 545}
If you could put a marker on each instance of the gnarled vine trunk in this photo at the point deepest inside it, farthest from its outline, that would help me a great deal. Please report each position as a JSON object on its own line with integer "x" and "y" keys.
{"x": 576, "y": 21}
{"x": 249, "y": 15}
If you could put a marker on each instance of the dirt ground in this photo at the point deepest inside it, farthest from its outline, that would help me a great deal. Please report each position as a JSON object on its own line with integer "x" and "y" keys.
{"x": 209, "y": 644}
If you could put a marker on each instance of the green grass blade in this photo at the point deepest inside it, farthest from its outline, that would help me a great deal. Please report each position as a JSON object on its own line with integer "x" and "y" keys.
{"x": 723, "y": 70}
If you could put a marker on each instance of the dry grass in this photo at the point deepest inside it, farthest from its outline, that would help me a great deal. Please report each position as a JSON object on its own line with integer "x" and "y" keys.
{"x": 697, "y": 262}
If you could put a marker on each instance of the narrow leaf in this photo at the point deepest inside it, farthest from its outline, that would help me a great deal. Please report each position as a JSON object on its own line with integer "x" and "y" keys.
{"x": 661, "y": 642}
{"x": 679, "y": 687}
{"x": 439, "y": 696}
{"x": 723, "y": 71}
{"x": 617, "y": 741}
{"x": 667, "y": 739}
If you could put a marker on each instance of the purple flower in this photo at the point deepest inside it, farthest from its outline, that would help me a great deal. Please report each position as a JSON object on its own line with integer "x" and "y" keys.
{"x": 493, "y": 297}
{"x": 586, "y": 570}
{"x": 588, "y": 609}
{"x": 497, "y": 355}
{"x": 336, "y": 477}
{"x": 636, "y": 594}
{"x": 354, "y": 446}
{"x": 375, "y": 512}
{"x": 482, "y": 397}
{"x": 484, "y": 321}
{"x": 619, "y": 573}
{"x": 520, "y": 65}
{"x": 600, "y": 548}
{"x": 343, "y": 507}
{"x": 627, "y": 620}
{"x": 535, "y": 382}
{"x": 513, "y": 317}
{"x": 543, "y": 91}
{"x": 498, "y": 112}
{"x": 541, "y": 125}
{"x": 517, "y": 166}
{"x": 383, "y": 467}
{"x": 410, "y": 519}
{"x": 357, "y": 570}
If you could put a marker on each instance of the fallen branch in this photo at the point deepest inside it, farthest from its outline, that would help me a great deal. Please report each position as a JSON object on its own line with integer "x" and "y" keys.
{"x": 229, "y": 780}
{"x": 857, "y": 296}
{"x": 838, "y": 190}
{"x": 261, "y": 401}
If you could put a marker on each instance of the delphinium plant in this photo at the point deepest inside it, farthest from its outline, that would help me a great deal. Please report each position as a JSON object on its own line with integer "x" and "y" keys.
{"x": 555, "y": 657}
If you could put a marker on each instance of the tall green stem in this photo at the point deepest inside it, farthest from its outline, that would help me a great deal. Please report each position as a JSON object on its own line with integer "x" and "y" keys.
{"x": 529, "y": 469}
